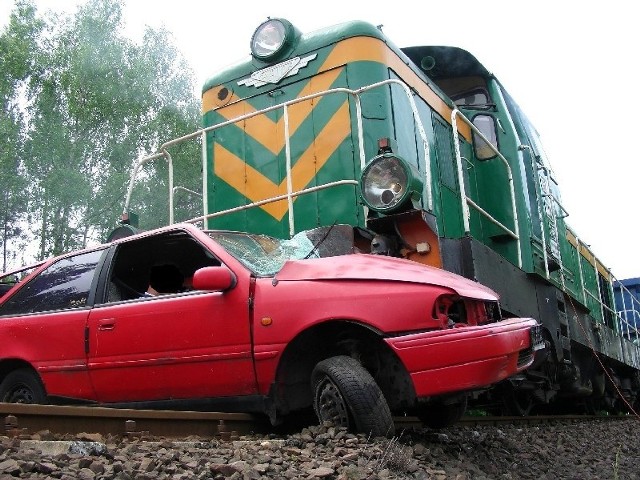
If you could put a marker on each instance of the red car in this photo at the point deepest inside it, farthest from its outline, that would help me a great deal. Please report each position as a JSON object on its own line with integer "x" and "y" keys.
{"x": 184, "y": 318}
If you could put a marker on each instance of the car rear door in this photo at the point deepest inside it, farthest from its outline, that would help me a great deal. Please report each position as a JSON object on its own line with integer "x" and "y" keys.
{"x": 44, "y": 324}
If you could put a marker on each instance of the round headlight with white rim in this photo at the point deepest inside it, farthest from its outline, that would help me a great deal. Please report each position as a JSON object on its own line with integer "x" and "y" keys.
{"x": 271, "y": 38}
{"x": 387, "y": 182}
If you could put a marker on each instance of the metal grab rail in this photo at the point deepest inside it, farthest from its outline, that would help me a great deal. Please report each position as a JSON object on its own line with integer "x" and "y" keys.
{"x": 185, "y": 189}
{"x": 622, "y": 321}
{"x": 585, "y": 292}
{"x": 623, "y": 316}
{"x": 623, "y": 313}
{"x": 543, "y": 182}
{"x": 272, "y": 199}
{"x": 466, "y": 201}
{"x": 163, "y": 153}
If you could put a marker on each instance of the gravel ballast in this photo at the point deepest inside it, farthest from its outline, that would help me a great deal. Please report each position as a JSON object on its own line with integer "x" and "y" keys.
{"x": 557, "y": 450}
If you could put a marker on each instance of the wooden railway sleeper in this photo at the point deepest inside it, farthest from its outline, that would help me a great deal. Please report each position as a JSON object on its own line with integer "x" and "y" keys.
{"x": 130, "y": 430}
{"x": 11, "y": 428}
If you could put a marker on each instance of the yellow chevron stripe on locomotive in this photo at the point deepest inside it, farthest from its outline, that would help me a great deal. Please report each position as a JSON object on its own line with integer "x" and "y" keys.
{"x": 316, "y": 139}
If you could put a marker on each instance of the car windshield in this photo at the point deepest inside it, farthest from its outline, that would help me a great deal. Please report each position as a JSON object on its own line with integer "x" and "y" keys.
{"x": 265, "y": 255}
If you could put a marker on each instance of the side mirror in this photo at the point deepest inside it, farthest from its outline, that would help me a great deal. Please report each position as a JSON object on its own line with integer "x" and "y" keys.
{"x": 213, "y": 278}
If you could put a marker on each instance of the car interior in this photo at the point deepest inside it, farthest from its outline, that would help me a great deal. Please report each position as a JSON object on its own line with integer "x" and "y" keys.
{"x": 166, "y": 263}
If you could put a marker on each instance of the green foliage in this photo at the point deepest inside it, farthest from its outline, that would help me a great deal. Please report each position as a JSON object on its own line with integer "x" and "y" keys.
{"x": 81, "y": 102}
{"x": 478, "y": 412}
{"x": 17, "y": 49}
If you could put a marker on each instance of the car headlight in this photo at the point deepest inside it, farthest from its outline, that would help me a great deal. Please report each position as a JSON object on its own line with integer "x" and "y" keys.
{"x": 271, "y": 38}
{"x": 387, "y": 182}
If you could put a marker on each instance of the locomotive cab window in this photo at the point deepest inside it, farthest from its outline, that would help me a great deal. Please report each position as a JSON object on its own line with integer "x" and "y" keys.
{"x": 477, "y": 99}
{"x": 467, "y": 92}
{"x": 486, "y": 124}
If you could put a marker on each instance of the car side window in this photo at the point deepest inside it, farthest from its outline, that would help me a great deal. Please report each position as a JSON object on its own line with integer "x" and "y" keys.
{"x": 63, "y": 285}
{"x": 153, "y": 266}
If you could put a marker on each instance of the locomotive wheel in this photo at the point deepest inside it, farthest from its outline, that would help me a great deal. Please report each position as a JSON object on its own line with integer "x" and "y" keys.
{"x": 593, "y": 405}
{"x": 22, "y": 386}
{"x": 442, "y": 415}
{"x": 517, "y": 403}
{"x": 345, "y": 394}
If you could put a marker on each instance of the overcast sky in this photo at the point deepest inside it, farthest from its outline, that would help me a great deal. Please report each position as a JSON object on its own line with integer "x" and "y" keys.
{"x": 567, "y": 63}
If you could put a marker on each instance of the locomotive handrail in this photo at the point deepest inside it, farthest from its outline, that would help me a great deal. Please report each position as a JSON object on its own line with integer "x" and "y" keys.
{"x": 616, "y": 313}
{"x": 623, "y": 319}
{"x": 599, "y": 290}
{"x": 585, "y": 292}
{"x": 466, "y": 201}
{"x": 543, "y": 237}
{"x": 177, "y": 188}
{"x": 623, "y": 314}
{"x": 616, "y": 310}
{"x": 134, "y": 173}
{"x": 602, "y": 305}
{"x": 185, "y": 189}
{"x": 565, "y": 213}
{"x": 163, "y": 153}
{"x": 584, "y": 295}
{"x": 284, "y": 105}
{"x": 272, "y": 199}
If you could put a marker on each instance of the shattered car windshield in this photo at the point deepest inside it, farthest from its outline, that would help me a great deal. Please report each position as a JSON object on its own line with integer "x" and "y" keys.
{"x": 265, "y": 255}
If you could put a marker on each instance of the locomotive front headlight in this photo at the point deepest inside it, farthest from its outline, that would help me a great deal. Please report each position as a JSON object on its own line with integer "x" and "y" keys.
{"x": 271, "y": 38}
{"x": 387, "y": 182}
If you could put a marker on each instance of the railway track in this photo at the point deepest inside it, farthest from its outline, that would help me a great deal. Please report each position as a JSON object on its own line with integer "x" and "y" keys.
{"x": 25, "y": 420}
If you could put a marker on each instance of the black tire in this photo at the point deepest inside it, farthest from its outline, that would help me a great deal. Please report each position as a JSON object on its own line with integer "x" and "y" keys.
{"x": 440, "y": 415}
{"x": 22, "y": 386}
{"x": 345, "y": 394}
{"x": 517, "y": 403}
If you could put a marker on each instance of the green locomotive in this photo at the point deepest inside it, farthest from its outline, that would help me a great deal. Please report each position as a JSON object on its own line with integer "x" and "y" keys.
{"x": 428, "y": 156}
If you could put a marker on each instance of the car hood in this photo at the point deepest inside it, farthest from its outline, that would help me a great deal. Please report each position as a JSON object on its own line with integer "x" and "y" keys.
{"x": 374, "y": 267}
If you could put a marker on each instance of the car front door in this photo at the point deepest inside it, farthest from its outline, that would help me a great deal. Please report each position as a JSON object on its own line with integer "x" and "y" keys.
{"x": 183, "y": 345}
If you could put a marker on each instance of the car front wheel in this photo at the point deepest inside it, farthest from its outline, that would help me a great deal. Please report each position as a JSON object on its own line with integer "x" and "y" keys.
{"x": 345, "y": 394}
{"x": 22, "y": 386}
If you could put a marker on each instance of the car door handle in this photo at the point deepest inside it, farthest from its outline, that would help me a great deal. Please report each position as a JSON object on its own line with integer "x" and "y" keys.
{"x": 107, "y": 324}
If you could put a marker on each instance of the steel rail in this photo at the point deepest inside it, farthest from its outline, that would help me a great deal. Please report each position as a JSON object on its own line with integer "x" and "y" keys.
{"x": 24, "y": 420}
{"x": 27, "y": 419}
{"x": 473, "y": 421}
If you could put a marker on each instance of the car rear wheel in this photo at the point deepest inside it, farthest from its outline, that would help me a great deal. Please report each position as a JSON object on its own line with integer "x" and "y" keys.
{"x": 345, "y": 394}
{"x": 22, "y": 386}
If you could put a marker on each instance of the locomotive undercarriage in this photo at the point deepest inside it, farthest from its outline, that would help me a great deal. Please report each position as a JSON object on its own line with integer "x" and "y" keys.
{"x": 582, "y": 386}
{"x": 575, "y": 373}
